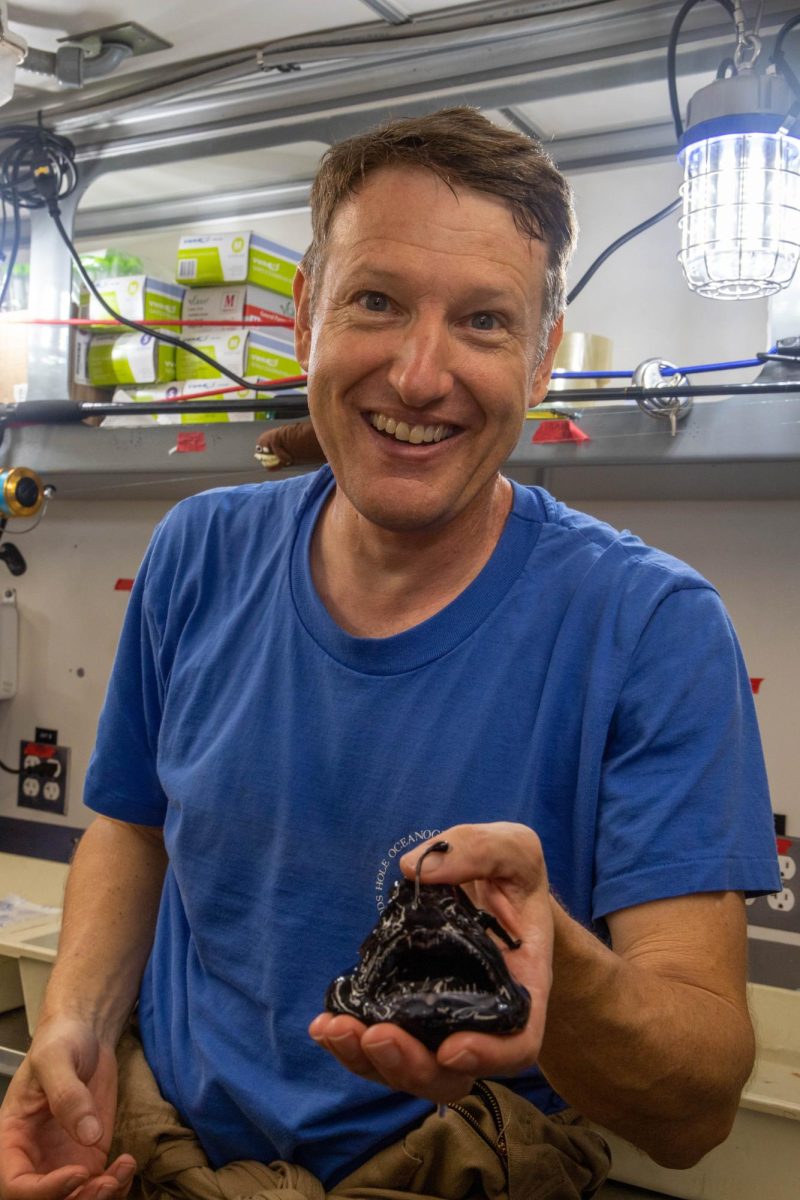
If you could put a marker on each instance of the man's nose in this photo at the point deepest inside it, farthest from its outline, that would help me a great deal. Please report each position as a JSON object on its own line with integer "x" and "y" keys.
{"x": 421, "y": 369}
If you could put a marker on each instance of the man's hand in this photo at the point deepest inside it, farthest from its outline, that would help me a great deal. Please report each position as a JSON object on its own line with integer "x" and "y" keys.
{"x": 502, "y": 867}
{"x": 57, "y": 1120}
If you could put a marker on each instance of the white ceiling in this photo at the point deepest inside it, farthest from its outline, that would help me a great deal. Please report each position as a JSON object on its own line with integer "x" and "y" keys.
{"x": 198, "y": 29}
{"x": 224, "y": 173}
{"x": 193, "y": 28}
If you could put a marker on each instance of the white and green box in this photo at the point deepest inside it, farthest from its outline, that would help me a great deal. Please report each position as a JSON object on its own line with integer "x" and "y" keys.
{"x": 245, "y": 352}
{"x": 190, "y": 386}
{"x": 138, "y": 298}
{"x": 144, "y": 395}
{"x": 240, "y": 302}
{"x": 107, "y": 359}
{"x": 270, "y": 357}
{"x": 206, "y": 259}
{"x": 176, "y": 392}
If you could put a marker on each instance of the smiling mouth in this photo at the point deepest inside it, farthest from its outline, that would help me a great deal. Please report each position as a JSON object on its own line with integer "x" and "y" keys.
{"x": 416, "y": 435}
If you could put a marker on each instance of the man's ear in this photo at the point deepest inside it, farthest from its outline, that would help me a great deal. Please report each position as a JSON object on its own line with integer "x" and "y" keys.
{"x": 301, "y": 290}
{"x": 541, "y": 380}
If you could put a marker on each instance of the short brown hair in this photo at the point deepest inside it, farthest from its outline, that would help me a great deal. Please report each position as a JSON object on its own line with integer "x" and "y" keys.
{"x": 464, "y": 149}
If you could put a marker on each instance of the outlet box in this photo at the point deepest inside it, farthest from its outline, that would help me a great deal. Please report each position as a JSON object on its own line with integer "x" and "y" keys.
{"x": 43, "y": 772}
{"x": 781, "y": 911}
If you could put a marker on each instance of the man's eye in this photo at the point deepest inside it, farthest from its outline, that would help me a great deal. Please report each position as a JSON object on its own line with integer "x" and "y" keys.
{"x": 485, "y": 321}
{"x": 374, "y": 302}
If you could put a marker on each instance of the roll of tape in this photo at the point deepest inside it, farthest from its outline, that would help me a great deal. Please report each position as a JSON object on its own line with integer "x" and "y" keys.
{"x": 582, "y": 352}
{"x": 21, "y": 492}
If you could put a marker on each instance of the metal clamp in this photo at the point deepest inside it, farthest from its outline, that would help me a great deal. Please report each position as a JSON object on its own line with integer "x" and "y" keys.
{"x": 649, "y": 377}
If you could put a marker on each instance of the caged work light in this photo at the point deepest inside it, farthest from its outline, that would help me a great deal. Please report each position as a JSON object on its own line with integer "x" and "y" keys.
{"x": 740, "y": 228}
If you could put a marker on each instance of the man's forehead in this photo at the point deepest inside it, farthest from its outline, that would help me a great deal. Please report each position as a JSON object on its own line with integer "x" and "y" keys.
{"x": 412, "y": 208}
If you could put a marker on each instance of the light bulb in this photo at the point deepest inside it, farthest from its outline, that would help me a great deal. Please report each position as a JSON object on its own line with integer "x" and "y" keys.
{"x": 740, "y": 228}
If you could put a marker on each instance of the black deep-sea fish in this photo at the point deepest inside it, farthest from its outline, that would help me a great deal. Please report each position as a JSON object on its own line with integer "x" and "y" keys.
{"x": 430, "y": 967}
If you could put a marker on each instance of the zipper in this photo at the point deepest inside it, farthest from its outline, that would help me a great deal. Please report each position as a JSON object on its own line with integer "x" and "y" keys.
{"x": 499, "y": 1145}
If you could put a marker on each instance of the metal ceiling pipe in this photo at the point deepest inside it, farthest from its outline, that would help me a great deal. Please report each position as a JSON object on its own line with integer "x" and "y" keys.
{"x": 617, "y": 19}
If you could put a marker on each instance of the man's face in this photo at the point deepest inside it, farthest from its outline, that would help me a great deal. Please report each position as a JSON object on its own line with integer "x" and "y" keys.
{"x": 422, "y": 347}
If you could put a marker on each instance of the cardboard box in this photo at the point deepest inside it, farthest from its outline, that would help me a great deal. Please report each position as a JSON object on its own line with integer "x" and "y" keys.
{"x": 214, "y": 258}
{"x": 241, "y": 302}
{"x": 245, "y": 352}
{"x": 175, "y": 391}
{"x": 106, "y": 359}
{"x": 137, "y": 297}
{"x": 13, "y": 358}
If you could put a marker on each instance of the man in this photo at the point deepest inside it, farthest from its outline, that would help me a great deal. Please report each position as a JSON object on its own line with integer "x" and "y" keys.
{"x": 318, "y": 677}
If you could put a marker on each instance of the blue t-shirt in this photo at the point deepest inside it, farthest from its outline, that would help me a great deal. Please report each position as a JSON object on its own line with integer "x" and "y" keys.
{"x": 583, "y": 684}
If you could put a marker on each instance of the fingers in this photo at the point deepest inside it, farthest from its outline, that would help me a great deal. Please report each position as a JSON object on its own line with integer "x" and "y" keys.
{"x": 74, "y": 1182}
{"x": 341, "y": 1036}
{"x": 68, "y": 1098}
{"x": 114, "y": 1184}
{"x": 54, "y": 1186}
{"x": 388, "y": 1055}
{"x": 406, "y": 1065}
{"x": 500, "y": 850}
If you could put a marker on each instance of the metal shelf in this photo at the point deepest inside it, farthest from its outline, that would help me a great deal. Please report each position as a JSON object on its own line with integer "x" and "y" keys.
{"x": 738, "y": 448}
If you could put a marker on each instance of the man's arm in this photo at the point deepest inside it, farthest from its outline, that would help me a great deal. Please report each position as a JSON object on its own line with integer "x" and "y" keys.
{"x": 653, "y": 1039}
{"x": 57, "y": 1119}
{"x": 110, "y": 908}
{"x": 650, "y": 1039}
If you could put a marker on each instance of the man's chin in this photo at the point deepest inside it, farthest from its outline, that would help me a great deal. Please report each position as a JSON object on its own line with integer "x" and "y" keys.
{"x": 406, "y": 511}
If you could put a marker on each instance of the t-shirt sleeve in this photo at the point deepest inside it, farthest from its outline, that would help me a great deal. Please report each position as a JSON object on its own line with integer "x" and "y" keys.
{"x": 122, "y": 778}
{"x": 684, "y": 803}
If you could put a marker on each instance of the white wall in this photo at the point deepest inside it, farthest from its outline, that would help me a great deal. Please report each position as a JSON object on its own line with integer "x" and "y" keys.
{"x": 70, "y": 616}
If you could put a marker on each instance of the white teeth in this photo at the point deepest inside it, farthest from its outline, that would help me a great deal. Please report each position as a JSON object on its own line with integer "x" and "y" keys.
{"x": 415, "y": 434}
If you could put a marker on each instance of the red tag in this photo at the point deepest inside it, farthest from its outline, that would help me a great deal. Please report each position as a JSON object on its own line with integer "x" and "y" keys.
{"x": 755, "y": 684}
{"x": 784, "y": 845}
{"x": 123, "y": 585}
{"x": 559, "y": 431}
{"x": 39, "y": 750}
{"x": 190, "y": 443}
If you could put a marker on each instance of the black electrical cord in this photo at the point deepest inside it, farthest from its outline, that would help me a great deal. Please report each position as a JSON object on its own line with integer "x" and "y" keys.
{"x": 19, "y": 162}
{"x": 9, "y": 770}
{"x": 36, "y": 171}
{"x": 792, "y": 23}
{"x": 780, "y": 64}
{"x": 12, "y": 257}
{"x": 625, "y": 237}
{"x": 672, "y": 49}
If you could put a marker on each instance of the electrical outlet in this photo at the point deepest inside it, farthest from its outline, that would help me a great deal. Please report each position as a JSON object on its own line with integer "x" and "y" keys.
{"x": 43, "y": 770}
{"x": 788, "y": 867}
{"x": 782, "y": 902}
{"x": 781, "y": 910}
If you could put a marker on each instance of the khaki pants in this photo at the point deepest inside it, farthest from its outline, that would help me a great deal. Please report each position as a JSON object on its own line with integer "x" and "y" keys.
{"x": 492, "y": 1144}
